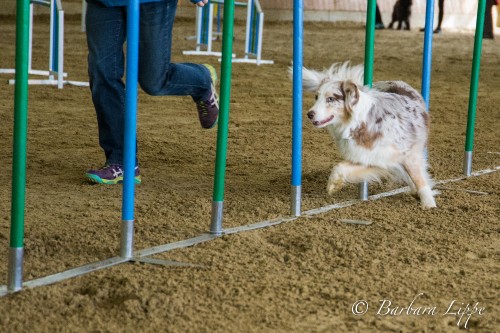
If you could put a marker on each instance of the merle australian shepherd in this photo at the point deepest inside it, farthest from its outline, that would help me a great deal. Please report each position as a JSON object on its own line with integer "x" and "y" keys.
{"x": 380, "y": 132}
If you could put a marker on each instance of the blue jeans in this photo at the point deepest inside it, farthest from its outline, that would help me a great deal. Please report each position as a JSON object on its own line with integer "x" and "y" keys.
{"x": 106, "y": 29}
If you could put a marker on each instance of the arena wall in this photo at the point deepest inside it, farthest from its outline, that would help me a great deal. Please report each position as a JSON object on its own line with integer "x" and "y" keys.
{"x": 458, "y": 14}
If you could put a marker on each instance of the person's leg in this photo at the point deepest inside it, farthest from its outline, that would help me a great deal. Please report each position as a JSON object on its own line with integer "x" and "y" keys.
{"x": 498, "y": 16}
{"x": 488, "y": 20}
{"x": 378, "y": 16}
{"x": 157, "y": 75}
{"x": 440, "y": 16}
{"x": 408, "y": 14}
{"x": 106, "y": 31}
{"x": 379, "y": 24}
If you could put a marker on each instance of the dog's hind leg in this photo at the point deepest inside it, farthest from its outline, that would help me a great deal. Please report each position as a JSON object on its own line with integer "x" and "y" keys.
{"x": 402, "y": 175}
{"x": 417, "y": 171}
{"x": 347, "y": 172}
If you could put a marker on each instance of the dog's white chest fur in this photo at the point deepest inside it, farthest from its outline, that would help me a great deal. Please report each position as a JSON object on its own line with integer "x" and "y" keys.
{"x": 378, "y": 155}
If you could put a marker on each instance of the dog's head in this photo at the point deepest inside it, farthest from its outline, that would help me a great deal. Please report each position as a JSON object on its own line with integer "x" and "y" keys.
{"x": 336, "y": 97}
{"x": 335, "y": 101}
{"x": 337, "y": 93}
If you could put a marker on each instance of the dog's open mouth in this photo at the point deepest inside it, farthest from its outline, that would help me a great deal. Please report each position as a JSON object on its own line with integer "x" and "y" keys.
{"x": 322, "y": 123}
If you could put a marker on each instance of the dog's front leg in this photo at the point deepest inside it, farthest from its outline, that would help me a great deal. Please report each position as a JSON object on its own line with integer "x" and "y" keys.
{"x": 347, "y": 172}
{"x": 336, "y": 179}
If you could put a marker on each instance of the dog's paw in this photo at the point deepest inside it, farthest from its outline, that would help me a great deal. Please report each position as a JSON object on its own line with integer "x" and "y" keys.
{"x": 428, "y": 203}
{"x": 426, "y": 198}
{"x": 334, "y": 185}
{"x": 414, "y": 193}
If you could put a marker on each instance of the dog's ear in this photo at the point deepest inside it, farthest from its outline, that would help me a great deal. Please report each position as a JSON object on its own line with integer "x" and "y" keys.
{"x": 351, "y": 94}
{"x": 345, "y": 71}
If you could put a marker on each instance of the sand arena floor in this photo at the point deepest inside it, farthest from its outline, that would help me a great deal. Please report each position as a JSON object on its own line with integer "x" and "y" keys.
{"x": 300, "y": 276}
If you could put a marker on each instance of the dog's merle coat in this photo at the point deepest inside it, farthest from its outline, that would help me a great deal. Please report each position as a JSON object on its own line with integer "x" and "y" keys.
{"x": 381, "y": 132}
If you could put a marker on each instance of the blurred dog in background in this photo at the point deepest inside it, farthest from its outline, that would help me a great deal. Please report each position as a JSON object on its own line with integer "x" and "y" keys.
{"x": 381, "y": 132}
{"x": 401, "y": 14}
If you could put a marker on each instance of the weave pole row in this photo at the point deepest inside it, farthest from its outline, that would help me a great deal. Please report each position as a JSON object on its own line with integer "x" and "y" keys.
{"x": 427, "y": 69}
{"x": 16, "y": 249}
{"x": 369, "y": 60}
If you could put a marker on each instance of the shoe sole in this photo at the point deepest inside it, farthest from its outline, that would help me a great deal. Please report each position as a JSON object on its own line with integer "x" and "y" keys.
{"x": 98, "y": 180}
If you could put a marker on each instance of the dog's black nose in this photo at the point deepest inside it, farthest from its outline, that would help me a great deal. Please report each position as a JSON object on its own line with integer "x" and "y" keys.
{"x": 310, "y": 114}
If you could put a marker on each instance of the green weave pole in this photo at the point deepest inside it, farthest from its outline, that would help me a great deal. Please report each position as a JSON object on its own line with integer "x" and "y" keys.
{"x": 16, "y": 250}
{"x": 368, "y": 71}
{"x": 20, "y": 125}
{"x": 476, "y": 61}
{"x": 225, "y": 94}
{"x": 369, "y": 42}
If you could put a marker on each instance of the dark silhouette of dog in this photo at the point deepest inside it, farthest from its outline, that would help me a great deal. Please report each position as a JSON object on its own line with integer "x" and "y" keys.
{"x": 401, "y": 14}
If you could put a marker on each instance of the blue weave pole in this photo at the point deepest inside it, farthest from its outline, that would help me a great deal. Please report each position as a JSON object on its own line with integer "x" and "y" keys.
{"x": 296, "y": 181}
{"x": 427, "y": 58}
{"x": 130, "y": 131}
{"x": 54, "y": 66}
{"x": 204, "y": 24}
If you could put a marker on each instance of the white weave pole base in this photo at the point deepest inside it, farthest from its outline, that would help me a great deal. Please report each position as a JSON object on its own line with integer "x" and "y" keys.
{"x": 204, "y": 53}
{"x": 253, "y": 61}
{"x": 468, "y": 163}
{"x": 30, "y": 72}
{"x": 52, "y": 82}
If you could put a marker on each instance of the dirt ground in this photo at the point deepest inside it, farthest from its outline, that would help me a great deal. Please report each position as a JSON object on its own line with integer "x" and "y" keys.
{"x": 305, "y": 275}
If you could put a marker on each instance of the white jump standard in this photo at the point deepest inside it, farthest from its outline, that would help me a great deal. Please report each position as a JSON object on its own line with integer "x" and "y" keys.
{"x": 253, "y": 35}
{"x": 55, "y": 73}
{"x": 204, "y": 32}
{"x": 253, "y": 38}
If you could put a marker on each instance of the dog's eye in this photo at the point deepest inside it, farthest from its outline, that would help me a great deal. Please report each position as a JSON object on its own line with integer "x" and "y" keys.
{"x": 316, "y": 97}
{"x": 330, "y": 99}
